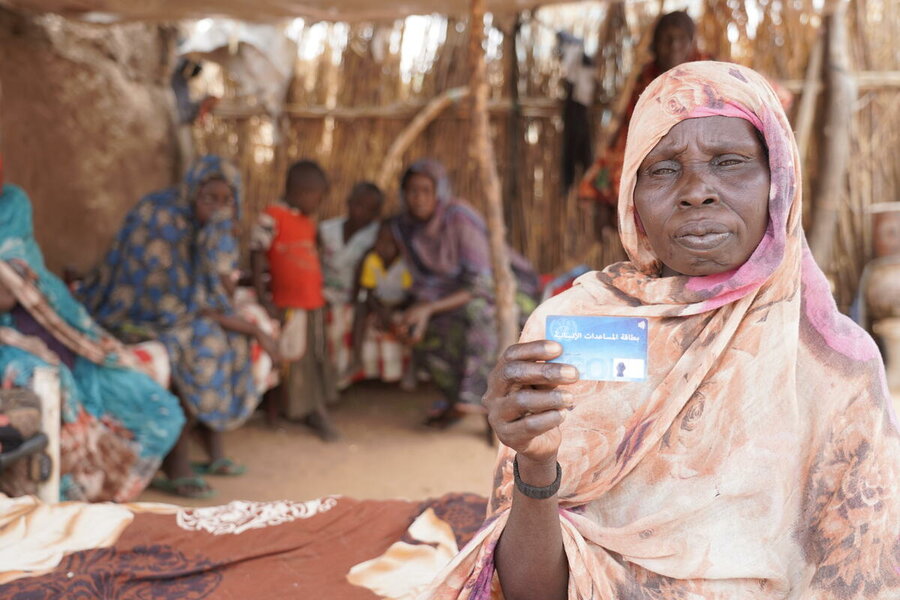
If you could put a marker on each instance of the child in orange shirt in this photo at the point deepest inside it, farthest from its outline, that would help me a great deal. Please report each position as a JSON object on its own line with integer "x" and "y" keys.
{"x": 285, "y": 237}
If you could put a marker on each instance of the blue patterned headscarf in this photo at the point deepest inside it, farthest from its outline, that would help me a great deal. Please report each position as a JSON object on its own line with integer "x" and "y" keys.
{"x": 208, "y": 168}
{"x": 165, "y": 266}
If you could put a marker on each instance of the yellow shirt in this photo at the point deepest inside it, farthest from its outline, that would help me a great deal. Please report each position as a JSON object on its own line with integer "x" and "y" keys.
{"x": 389, "y": 285}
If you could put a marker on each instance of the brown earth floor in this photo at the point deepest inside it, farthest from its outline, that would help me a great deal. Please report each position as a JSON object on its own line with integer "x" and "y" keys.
{"x": 383, "y": 453}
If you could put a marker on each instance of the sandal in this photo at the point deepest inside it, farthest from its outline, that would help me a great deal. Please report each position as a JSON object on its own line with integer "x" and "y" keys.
{"x": 186, "y": 487}
{"x": 223, "y": 467}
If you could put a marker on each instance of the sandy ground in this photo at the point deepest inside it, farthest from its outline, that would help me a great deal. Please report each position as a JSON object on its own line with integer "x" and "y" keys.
{"x": 383, "y": 453}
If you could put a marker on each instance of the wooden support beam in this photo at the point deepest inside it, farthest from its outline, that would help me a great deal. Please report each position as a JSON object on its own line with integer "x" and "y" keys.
{"x": 841, "y": 96}
{"x": 513, "y": 201}
{"x": 525, "y": 107}
{"x": 866, "y": 81}
{"x": 806, "y": 111}
{"x": 507, "y": 317}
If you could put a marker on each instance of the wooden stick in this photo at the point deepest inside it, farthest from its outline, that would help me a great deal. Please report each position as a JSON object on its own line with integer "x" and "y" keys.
{"x": 806, "y": 112}
{"x": 507, "y": 319}
{"x": 392, "y": 161}
{"x": 513, "y": 204}
{"x": 838, "y": 123}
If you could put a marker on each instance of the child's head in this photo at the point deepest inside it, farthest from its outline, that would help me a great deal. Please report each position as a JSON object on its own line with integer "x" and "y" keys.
{"x": 305, "y": 186}
{"x": 386, "y": 244}
{"x": 364, "y": 204}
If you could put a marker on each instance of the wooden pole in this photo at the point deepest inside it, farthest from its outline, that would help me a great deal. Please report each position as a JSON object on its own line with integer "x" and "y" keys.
{"x": 806, "y": 111}
{"x": 507, "y": 319}
{"x": 513, "y": 204}
{"x": 839, "y": 102}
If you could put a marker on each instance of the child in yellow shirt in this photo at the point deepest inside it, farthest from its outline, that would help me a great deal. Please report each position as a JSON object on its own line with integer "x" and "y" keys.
{"x": 384, "y": 284}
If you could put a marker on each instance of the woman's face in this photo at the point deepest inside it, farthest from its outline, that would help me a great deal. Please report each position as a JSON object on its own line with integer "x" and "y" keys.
{"x": 674, "y": 46}
{"x": 420, "y": 197}
{"x": 702, "y": 195}
{"x": 212, "y": 197}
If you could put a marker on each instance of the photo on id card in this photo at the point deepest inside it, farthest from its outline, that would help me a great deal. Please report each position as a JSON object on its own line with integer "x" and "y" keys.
{"x": 602, "y": 348}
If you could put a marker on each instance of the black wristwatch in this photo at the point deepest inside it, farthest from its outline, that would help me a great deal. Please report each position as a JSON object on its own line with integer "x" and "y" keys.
{"x": 532, "y": 491}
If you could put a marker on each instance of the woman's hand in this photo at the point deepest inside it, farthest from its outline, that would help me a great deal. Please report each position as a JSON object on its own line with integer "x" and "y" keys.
{"x": 525, "y": 408}
{"x": 415, "y": 320}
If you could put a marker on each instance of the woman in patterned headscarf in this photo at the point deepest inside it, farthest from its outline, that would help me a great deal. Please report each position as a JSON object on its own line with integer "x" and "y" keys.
{"x": 163, "y": 279}
{"x": 760, "y": 456}
{"x": 117, "y": 423}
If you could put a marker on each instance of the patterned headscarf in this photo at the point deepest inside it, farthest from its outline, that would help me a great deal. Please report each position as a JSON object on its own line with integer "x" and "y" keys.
{"x": 451, "y": 249}
{"x": 209, "y": 168}
{"x": 761, "y": 457}
{"x": 164, "y": 266}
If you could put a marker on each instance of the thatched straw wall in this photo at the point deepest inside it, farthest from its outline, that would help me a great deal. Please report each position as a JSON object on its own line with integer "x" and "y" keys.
{"x": 550, "y": 227}
{"x": 85, "y": 109}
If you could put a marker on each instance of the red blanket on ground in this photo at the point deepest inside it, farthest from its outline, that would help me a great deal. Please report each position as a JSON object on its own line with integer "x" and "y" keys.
{"x": 243, "y": 550}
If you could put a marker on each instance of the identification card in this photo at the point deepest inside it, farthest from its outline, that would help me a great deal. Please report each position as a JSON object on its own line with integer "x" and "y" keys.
{"x": 602, "y": 348}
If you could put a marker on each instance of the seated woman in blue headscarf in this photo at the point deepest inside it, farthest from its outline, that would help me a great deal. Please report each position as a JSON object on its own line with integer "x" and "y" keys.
{"x": 117, "y": 423}
{"x": 164, "y": 279}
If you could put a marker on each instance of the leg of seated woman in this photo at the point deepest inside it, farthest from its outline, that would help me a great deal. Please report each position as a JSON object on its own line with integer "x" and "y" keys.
{"x": 211, "y": 370}
{"x": 479, "y": 352}
{"x": 177, "y": 466}
{"x": 218, "y": 464}
{"x": 440, "y": 353}
{"x": 212, "y": 443}
{"x": 458, "y": 350}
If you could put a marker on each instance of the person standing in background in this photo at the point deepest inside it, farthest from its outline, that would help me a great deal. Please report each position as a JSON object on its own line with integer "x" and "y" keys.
{"x": 285, "y": 237}
{"x": 673, "y": 44}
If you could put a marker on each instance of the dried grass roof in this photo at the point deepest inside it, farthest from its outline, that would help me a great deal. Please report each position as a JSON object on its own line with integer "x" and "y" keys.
{"x": 257, "y": 10}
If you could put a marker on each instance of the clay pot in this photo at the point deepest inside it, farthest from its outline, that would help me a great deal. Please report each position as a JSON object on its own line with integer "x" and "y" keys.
{"x": 885, "y": 229}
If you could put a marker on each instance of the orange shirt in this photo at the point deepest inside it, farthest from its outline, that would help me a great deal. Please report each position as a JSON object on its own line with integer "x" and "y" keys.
{"x": 289, "y": 239}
